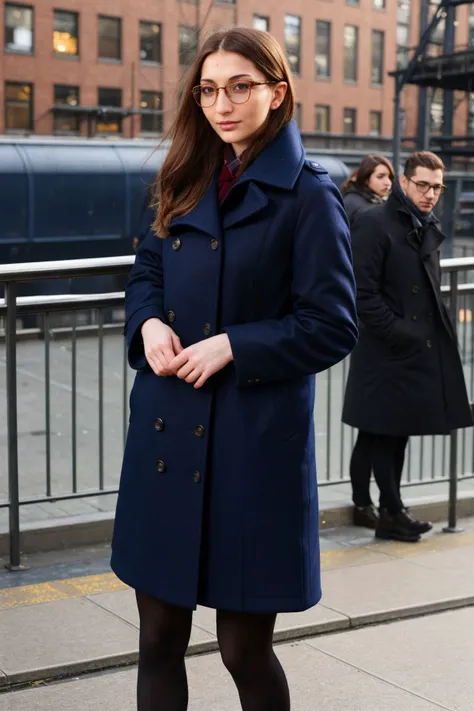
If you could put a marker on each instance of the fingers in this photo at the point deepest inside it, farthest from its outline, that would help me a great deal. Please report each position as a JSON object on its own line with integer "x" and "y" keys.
{"x": 176, "y": 343}
{"x": 201, "y": 380}
{"x": 185, "y": 371}
{"x": 158, "y": 363}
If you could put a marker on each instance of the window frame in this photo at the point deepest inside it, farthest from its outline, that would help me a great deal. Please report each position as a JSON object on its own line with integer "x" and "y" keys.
{"x": 118, "y": 117}
{"x": 19, "y": 6}
{"x": 191, "y": 28}
{"x": 59, "y": 132}
{"x": 327, "y": 109}
{"x": 352, "y": 79}
{"x": 354, "y": 116}
{"x": 119, "y": 21}
{"x": 151, "y": 62}
{"x": 74, "y": 14}
{"x": 376, "y": 7}
{"x": 381, "y": 65}
{"x": 257, "y": 15}
{"x": 160, "y": 116}
{"x": 31, "y": 108}
{"x": 297, "y": 71}
{"x": 378, "y": 113}
{"x": 328, "y": 24}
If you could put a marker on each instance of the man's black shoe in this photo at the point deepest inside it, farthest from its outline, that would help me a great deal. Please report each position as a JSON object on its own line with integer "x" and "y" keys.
{"x": 413, "y": 524}
{"x": 393, "y": 527}
{"x": 365, "y": 516}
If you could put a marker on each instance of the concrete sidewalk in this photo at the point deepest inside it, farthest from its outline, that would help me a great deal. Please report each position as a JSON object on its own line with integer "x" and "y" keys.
{"x": 65, "y": 626}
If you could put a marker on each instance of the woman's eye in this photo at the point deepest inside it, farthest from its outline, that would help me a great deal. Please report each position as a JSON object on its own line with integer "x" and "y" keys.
{"x": 241, "y": 87}
{"x": 207, "y": 90}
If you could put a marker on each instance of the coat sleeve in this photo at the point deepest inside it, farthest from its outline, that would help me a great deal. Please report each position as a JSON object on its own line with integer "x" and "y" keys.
{"x": 143, "y": 295}
{"x": 321, "y": 329}
{"x": 370, "y": 246}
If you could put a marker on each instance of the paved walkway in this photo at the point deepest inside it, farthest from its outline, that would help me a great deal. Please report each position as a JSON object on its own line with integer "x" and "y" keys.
{"x": 53, "y": 626}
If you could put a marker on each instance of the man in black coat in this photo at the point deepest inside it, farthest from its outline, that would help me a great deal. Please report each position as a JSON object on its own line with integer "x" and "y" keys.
{"x": 406, "y": 375}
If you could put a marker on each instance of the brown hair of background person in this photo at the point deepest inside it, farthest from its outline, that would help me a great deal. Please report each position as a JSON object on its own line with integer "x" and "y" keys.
{"x": 422, "y": 159}
{"x": 196, "y": 151}
{"x": 360, "y": 176}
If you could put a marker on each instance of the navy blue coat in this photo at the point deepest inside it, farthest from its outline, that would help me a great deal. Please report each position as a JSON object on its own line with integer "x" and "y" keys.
{"x": 218, "y": 500}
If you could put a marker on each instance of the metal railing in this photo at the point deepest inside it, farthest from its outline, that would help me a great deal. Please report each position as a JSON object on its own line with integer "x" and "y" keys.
{"x": 429, "y": 460}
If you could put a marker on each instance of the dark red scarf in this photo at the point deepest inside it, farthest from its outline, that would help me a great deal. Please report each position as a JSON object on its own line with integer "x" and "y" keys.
{"x": 227, "y": 177}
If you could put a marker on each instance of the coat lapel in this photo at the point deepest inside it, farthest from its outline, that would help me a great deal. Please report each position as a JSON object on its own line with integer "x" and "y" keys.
{"x": 250, "y": 204}
{"x": 205, "y": 216}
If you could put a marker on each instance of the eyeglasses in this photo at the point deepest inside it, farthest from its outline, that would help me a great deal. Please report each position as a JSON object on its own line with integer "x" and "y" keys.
{"x": 236, "y": 91}
{"x": 423, "y": 187}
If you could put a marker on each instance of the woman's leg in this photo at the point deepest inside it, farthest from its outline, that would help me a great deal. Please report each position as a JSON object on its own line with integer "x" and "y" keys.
{"x": 386, "y": 459}
{"x": 361, "y": 469}
{"x": 245, "y": 643}
{"x": 400, "y": 459}
{"x": 164, "y": 637}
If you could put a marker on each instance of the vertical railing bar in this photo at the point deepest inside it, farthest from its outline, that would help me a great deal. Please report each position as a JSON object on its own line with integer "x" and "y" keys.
{"x": 343, "y": 434}
{"x": 74, "y": 401}
{"x": 453, "y": 453}
{"x": 125, "y": 391}
{"x": 47, "y": 399}
{"x": 422, "y": 447}
{"x": 12, "y": 428}
{"x": 409, "y": 462}
{"x": 433, "y": 456}
{"x": 328, "y": 427}
{"x": 100, "y": 322}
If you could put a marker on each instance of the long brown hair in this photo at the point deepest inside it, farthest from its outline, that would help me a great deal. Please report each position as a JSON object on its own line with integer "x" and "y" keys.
{"x": 196, "y": 150}
{"x": 359, "y": 177}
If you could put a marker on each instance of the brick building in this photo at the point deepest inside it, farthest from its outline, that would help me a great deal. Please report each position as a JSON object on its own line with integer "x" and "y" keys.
{"x": 113, "y": 67}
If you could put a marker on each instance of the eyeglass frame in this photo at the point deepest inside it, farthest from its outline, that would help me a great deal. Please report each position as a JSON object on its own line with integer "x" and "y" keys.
{"x": 218, "y": 88}
{"x": 438, "y": 189}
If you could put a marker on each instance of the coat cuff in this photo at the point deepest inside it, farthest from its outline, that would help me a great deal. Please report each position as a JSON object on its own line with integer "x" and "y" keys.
{"x": 244, "y": 362}
{"x": 136, "y": 353}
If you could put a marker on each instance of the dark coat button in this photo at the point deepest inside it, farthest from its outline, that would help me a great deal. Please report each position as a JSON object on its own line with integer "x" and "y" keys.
{"x": 159, "y": 425}
{"x": 415, "y": 289}
{"x": 414, "y": 318}
{"x": 429, "y": 344}
{"x": 199, "y": 431}
{"x": 206, "y": 329}
{"x": 160, "y": 466}
{"x": 171, "y": 316}
{"x": 197, "y": 477}
{"x": 214, "y": 244}
{"x": 176, "y": 244}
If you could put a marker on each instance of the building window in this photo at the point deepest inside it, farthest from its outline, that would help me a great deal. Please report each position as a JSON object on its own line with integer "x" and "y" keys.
{"x": 19, "y": 29}
{"x": 350, "y": 116}
{"x": 150, "y": 42}
{"x": 109, "y": 122}
{"x": 323, "y": 118}
{"x": 18, "y": 106}
{"x": 292, "y": 33}
{"x": 188, "y": 45}
{"x": 378, "y": 44}
{"x": 436, "y": 112}
{"x": 354, "y": 3}
{"x": 151, "y": 101}
{"x": 403, "y": 33}
{"x": 110, "y": 37}
{"x": 66, "y": 121}
{"x": 66, "y": 33}
{"x": 375, "y": 123}
{"x": 351, "y": 41}
{"x": 378, "y": 4}
{"x": 261, "y": 22}
{"x": 471, "y": 26}
{"x": 323, "y": 49}
{"x": 298, "y": 114}
{"x": 470, "y": 115}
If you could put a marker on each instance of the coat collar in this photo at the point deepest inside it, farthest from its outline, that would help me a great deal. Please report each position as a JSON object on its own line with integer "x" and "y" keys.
{"x": 278, "y": 165}
{"x": 432, "y": 237}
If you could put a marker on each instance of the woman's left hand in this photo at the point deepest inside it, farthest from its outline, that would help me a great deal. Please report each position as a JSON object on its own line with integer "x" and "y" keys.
{"x": 201, "y": 360}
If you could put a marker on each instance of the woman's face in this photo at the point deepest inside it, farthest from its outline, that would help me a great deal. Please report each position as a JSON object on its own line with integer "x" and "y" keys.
{"x": 237, "y": 123}
{"x": 380, "y": 181}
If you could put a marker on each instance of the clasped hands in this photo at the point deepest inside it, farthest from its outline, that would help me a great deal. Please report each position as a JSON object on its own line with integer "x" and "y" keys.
{"x": 195, "y": 364}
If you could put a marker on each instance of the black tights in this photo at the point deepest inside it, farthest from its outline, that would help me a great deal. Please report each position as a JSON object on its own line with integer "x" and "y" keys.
{"x": 245, "y": 643}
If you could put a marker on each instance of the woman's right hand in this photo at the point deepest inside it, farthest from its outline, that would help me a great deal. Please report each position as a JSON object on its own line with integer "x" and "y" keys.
{"x": 161, "y": 345}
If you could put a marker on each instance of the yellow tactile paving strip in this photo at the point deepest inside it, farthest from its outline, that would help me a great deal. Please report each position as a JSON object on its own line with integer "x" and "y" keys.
{"x": 69, "y": 588}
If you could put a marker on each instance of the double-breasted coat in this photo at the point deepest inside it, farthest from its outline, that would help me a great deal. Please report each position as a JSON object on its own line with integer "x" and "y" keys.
{"x": 406, "y": 375}
{"x": 218, "y": 499}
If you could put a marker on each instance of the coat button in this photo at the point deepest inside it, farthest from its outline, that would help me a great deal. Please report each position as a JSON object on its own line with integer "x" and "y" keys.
{"x": 414, "y": 318}
{"x": 206, "y": 329}
{"x": 171, "y": 316}
{"x": 176, "y": 244}
{"x": 214, "y": 244}
{"x": 199, "y": 431}
{"x": 251, "y": 382}
{"x": 415, "y": 289}
{"x": 429, "y": 344}
{"x": 159, "y": 425}
{"x": 197, "y": 477}
{"x": 160, "y": 466}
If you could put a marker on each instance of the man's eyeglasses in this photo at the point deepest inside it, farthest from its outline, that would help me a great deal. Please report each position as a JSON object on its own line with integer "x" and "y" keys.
{"x": 423, "y": 187}
{"x": 236, "y": 91}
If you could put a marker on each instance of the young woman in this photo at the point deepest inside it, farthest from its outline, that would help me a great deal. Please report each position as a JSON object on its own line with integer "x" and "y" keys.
{"x": 241, "y": 291}
{"x": 368, "y": 185}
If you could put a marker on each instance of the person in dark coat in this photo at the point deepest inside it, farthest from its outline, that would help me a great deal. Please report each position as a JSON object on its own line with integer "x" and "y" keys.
{"x": 406, "y": 376}
{"x": 242, "y": 290}
{"x": 368, "y": 185}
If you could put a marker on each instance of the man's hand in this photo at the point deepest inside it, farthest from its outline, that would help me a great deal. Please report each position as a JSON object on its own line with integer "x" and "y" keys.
{"x": 161, "y": 345}
{"x": 201, "y": 360}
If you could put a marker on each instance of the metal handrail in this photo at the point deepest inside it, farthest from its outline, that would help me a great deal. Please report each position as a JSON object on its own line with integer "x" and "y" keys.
{"x": 65, "y": 268}
{"x": 76, "y": 302}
